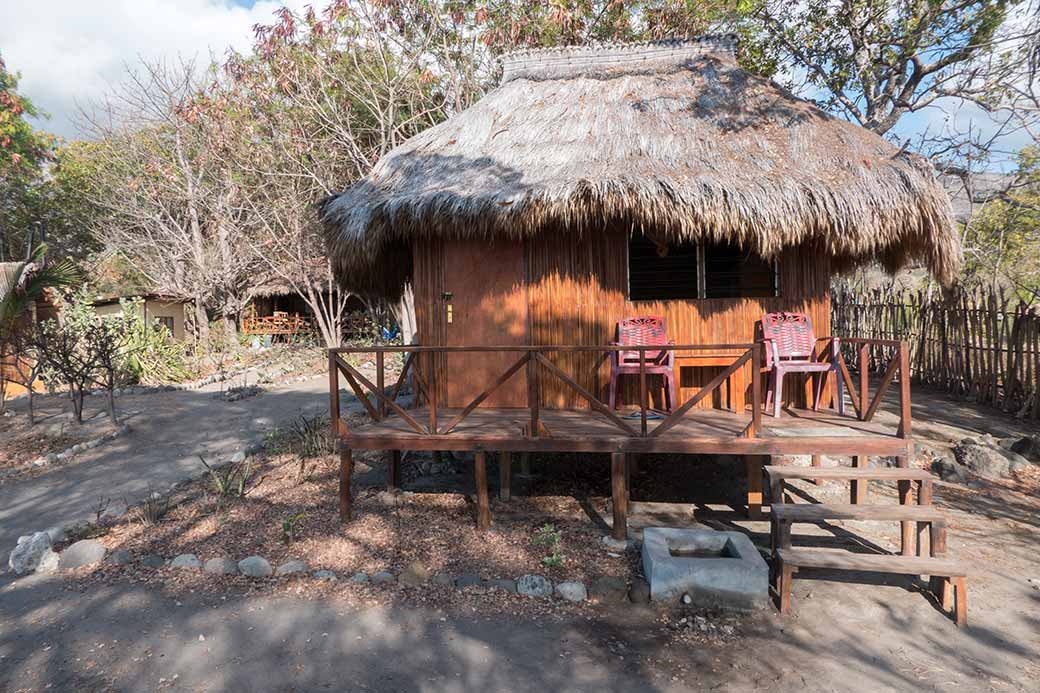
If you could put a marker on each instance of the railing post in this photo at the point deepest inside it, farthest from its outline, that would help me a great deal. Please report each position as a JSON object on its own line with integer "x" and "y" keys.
{"x": 431, "y": 395}
{"x": 380, "y": 385}
{"x": 905, "y": 416}
{"x": 864, "y": 377}
{"x": 642, "y": 390}
{"x": 333, "y": 395}
{"x": 756, "y": 389}
{"x": 533, "y": 393}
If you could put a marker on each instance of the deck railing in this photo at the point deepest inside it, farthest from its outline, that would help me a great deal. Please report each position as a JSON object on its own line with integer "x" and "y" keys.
{"x": 276, "y": 324}
{"x": 379, "y": 404}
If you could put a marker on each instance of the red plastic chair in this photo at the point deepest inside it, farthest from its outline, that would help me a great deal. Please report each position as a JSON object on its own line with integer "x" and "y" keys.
{"x": 643, "y": 331}
{"x": 790, "y": 348}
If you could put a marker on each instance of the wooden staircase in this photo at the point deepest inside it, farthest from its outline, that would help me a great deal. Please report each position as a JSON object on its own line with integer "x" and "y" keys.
{"x": 948, "y": 578}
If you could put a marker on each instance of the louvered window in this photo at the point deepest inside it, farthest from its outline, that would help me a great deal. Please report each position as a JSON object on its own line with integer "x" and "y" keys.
{"x": 680, "y": 271}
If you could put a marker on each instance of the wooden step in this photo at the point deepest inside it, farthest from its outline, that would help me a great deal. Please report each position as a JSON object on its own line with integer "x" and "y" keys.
{"x": 818, "y": 512}
{"x": 878, "y": 474}
{"x": 871, "y": 562}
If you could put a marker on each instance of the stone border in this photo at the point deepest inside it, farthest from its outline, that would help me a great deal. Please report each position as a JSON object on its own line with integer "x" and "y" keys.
{"x": 68, "y": 453}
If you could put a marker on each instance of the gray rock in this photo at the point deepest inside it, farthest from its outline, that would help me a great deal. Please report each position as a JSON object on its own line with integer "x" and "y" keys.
{"x": 618, "y": 545}
{"x": 414, "y": 575}
{"x": 221, "y": 565}
{"x": 239, "y": 456}
{"x": 1028, "y": 447}
{"x": 324, "y": 575}
{"x": 360, "y": 577}
{"x": 48, "y": 562}
{"x": 988, "y": 461}
{"x": 255, "y": 567}
{"x": 467, "y": 580}
{"x": 386, "y": 498}
{"x": 25, "y": 557}
{"x": 639, "y": 592}
{"x": 152, "y": 561}
{"x": 949, "y": 470}
{"x": 186, "y": 561}
{"x": 383, "y": 577}
{"x": 534, "y": 586}
{"x": 57, "y": 534}
{"x": 82, "y": 553}
{"x": 443, "y": 579}
{"x": 504, "y": 584}
{"x": 608, "y": 589}
{"x": 119, "y": 557}
{"x": 572, "y": 591}
{"x": 291, "y": 568}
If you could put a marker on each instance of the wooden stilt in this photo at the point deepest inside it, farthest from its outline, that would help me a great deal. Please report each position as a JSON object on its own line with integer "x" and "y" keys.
{"x": 505, "y": 475}
{"x": 786, "y": 578}
{"x": 393, "y": 470}
{"x": 619, "y": 495}
{"x": 905, "y": 498}
{"x": 346, "y": 468}
{"x": 525, "y": 463}
{"x": 960, "y": 592}
{"x": 817, "y": 461}
{"x": 754, "y": 464}
{"x": 859, "y": 487}
{"x": 480, "y": 478}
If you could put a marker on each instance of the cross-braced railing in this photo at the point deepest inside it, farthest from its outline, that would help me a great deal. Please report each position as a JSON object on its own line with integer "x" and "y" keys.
{"x": 378, "y": 403}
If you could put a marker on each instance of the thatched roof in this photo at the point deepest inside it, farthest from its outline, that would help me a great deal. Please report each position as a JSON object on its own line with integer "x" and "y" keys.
{"x": 11, "y": 274}
{"x": 672, "y": 138}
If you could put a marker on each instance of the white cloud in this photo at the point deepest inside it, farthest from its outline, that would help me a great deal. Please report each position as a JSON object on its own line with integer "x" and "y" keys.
{"x": 71, "y": 50}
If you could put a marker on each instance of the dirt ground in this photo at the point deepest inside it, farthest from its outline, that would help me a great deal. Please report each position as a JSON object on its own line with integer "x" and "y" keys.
{"x": 848, "y": 631}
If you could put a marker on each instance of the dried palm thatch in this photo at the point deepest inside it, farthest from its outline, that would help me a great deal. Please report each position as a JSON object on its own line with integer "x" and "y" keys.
{"x": 671, "y": 138}
{"x": 10, "y": 277}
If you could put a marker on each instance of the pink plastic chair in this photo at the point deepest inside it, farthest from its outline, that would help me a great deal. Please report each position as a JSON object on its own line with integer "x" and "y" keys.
{"x": 643, "y": 331}
{"x": 790, "y": 348}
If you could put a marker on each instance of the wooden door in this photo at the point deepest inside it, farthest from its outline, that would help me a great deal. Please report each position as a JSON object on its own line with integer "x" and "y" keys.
{"x": 483, "y": 303}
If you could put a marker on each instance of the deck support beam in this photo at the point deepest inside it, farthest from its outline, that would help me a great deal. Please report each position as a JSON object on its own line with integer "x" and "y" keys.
{"x": 754, "y": 464}
{"x": 859, "y": 489}
{"x": 346, "y": 468}
{"x": 619, "y": 494}
{"x": 505, "y": 475}
{"x": 480, "y": 479}
{"x": 905, "y": 496}
{"x": 393, "y": 470}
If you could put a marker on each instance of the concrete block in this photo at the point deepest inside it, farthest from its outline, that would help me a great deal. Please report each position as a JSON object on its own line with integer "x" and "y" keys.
{"x": 719, "y": 570}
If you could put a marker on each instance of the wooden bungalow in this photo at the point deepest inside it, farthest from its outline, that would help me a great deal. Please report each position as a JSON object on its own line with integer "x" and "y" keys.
{"x": 596, "y": 184}
{"x": 154, "y": 307}
{"x": 12, "y": 276}
{"x": 275, "y": 308}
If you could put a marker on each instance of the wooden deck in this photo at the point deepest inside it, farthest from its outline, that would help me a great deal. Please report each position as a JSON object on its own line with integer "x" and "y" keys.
{"x": 704, "y": 431}
{"x": 599, "y": 429}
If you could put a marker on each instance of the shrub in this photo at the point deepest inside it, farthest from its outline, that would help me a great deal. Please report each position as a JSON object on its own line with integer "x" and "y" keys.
{"x": 233, "y": 480}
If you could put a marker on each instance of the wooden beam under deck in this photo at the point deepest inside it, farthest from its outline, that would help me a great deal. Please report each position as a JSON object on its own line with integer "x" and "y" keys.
{"x": 710, "y": 432}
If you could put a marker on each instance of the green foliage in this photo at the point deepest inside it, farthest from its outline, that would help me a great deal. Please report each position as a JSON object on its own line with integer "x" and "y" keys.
{"x": 232, "y": 480}
{"x": 1002, "y": 241}
{"x": 289, "y": 527}
{"x": 152, "y": 355}
{"x": 35, "y": 276}
{"x": 150, "y": 511}
{"x": 550, "y": 537}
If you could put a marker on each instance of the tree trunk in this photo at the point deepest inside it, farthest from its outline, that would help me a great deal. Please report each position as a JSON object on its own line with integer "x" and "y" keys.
{"x": 77, "y": 404}
{"x": 202, "y": 324}
{"x": 32, "y": 413}
{"x": 112, "y": 406}
{"x": 405, "y": 314}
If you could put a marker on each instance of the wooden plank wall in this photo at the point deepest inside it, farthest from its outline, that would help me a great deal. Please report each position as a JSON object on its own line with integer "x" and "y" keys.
{"x": 577, "y": 292}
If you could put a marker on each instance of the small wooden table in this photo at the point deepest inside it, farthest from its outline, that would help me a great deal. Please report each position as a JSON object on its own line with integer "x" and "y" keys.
{"x": 699, "y": 359}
